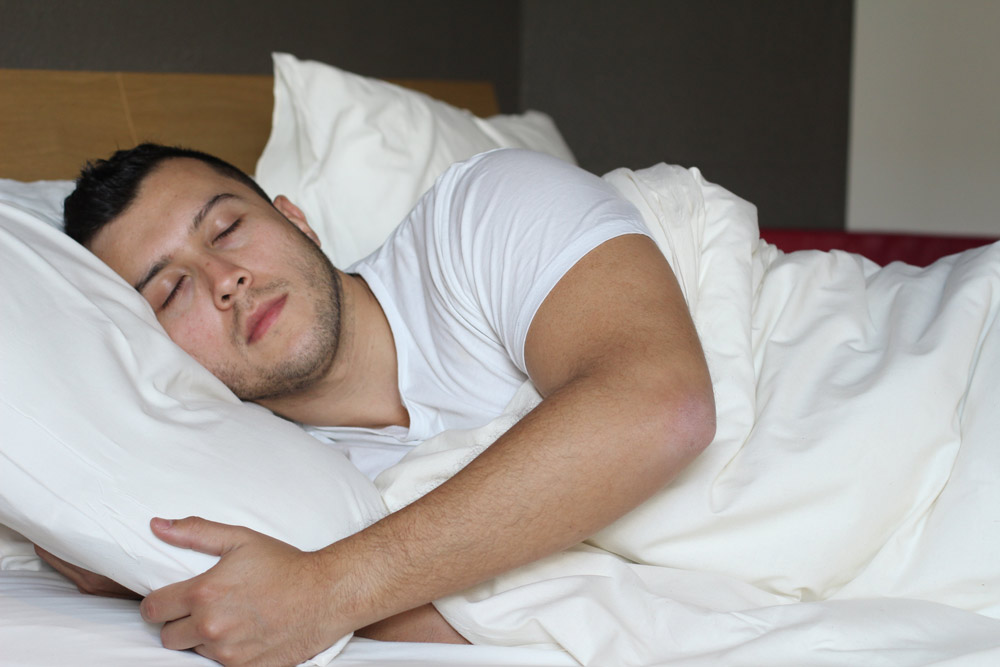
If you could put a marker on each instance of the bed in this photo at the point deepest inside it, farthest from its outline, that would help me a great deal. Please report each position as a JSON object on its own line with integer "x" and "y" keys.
{"x": 837, "y": 579}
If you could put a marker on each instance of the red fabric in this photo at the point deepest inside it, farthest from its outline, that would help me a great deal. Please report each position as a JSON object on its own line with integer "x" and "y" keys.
{"x": 916, "y": 249}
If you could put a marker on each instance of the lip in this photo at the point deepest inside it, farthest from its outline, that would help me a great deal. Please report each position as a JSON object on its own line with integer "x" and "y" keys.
{"x": 262, "y": 318}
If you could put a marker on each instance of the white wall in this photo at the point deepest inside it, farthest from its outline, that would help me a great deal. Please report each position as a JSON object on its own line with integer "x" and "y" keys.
{"x": 925, "y": 117}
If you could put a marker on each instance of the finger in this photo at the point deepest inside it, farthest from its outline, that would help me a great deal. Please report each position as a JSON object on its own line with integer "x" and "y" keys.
{"x": 208, "y": 537}
{"x": 57, "y": 564}
{"x": 181, "y": 634}
{"x": 86, "y": 581}
{"x": 168, "y": 603}
{"x": 47, "y": 556}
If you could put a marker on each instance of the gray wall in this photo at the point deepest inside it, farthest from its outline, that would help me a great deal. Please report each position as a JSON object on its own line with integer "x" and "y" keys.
{"x": 925, "y": 120}
{"x": 754, "y": 92}
{"x": 385, "y": 38}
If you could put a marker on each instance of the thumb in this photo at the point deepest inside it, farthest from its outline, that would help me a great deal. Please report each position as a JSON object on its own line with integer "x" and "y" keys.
{"x": 208, "y": 537}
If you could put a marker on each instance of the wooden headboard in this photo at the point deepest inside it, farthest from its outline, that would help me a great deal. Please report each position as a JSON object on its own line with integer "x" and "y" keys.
{"x": 51, "y": 122}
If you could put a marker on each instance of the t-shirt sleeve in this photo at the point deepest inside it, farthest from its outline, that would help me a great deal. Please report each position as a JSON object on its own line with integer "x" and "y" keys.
{"x": 515, "y": 223}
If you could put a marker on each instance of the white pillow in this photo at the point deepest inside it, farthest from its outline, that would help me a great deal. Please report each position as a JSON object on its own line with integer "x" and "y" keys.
{"x": 43, "y": 199}
{"x": 106, "y": 423}
{"x": 356, "y": 153}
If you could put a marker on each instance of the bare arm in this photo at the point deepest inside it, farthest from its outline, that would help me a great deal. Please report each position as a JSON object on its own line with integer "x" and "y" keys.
{"x": 628, "y": 403}
{"x": 423, "y": 624}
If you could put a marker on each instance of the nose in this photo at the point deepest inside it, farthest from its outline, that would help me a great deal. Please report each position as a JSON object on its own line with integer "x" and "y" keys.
{"x": 228, "y": 281}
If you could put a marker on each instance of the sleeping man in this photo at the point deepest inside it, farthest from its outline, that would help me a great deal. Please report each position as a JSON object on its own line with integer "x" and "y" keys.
{"x": 513, "y": 266}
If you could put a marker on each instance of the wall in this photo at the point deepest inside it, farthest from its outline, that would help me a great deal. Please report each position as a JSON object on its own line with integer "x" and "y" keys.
{"x": 754, "y": 92}
{"x": 387, "y": 38}
{"x": 925, "y": 117}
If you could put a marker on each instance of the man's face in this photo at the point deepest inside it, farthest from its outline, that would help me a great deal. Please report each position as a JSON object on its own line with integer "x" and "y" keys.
{"x": 236, "y": 283}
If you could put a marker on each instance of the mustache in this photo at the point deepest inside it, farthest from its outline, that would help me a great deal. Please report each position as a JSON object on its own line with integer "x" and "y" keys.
{"x": 255, "y": 295}
{"x": 251, "y": 299}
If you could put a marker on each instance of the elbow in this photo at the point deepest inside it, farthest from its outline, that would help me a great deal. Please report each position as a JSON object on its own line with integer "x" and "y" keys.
{"x": 677, "y": 426}
{"x": 707, "y": 420}
{"x": 692, "y": 420}
{"x": 684, "y": 419}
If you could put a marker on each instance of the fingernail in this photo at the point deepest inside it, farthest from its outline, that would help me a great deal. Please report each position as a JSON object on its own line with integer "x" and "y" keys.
{"x": 161, "y": 524}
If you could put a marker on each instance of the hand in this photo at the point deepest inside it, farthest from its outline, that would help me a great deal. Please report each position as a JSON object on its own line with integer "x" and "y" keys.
{"x": 85, "y": 580}
{"x": 263, "y": 603}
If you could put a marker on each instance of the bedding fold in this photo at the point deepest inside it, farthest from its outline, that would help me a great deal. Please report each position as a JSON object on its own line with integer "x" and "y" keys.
{"x": 849, "y": 499}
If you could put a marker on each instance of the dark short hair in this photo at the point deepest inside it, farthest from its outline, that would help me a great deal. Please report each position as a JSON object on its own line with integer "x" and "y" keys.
{"x": 105, "y": 188}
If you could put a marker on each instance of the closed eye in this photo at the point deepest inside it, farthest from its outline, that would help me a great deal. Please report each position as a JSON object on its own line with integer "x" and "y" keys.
{"x": 229, "y": 230}
{"x": 173, "y": 292}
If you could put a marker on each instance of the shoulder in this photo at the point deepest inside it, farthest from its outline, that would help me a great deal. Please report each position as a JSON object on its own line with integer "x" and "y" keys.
{"x": 517, "y": 186}
{"x": 514, "y": 166}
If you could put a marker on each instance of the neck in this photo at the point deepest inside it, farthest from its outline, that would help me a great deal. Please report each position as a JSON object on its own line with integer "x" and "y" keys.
{"x": 362, "y": 387}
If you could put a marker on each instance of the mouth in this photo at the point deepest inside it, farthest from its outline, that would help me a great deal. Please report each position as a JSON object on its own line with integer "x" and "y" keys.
{"x": 263, "y": 317}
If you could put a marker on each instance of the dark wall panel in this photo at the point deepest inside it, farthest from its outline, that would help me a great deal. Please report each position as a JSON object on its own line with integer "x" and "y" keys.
{"x": 387, "y": 38}
{"x": 754, "y": 92}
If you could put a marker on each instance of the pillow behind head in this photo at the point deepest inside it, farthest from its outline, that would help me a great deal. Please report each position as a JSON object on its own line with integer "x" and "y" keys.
{"x": 357, "y": 153}
{"x": 106, "y": 423}
{"x": 41, "y": 199}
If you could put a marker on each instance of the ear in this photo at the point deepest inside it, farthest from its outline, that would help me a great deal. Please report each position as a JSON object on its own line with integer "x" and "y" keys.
{"x": 295, "y": 216}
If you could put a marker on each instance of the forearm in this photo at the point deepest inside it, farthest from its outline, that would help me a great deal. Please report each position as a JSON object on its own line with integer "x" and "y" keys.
{"x": 588, "y": 454}
{"x": 628, "y": 403}
{"x": 422, "y": 624}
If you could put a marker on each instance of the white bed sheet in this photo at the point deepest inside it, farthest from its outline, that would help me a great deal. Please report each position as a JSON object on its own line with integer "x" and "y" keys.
{"x": 46, "y": 622}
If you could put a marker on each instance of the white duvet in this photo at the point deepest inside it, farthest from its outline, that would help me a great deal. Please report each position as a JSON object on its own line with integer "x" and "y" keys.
{"x": 848, "y": 511}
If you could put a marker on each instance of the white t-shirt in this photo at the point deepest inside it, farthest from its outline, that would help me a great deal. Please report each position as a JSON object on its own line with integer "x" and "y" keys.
{"x": 461, "y": 279}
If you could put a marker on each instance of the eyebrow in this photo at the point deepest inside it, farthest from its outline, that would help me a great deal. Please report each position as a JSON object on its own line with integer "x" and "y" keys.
{"x": 196, "y": 221}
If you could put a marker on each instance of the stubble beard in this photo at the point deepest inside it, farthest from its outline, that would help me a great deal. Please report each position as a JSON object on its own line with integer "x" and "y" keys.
{"x": 302, "y": 370}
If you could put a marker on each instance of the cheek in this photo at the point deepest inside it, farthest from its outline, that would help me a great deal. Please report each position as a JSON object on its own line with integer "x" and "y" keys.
{"x": 200, "y": 334}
